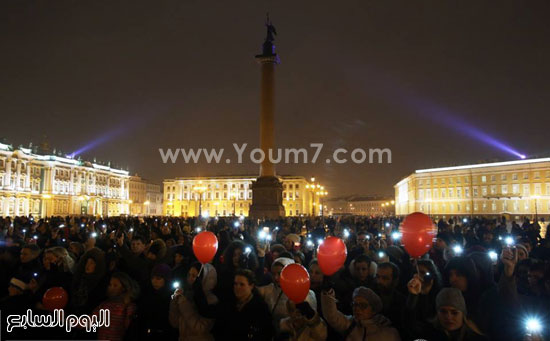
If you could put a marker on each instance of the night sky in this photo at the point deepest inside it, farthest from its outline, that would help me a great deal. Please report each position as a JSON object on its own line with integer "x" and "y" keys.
{"x": 413, "y": 76}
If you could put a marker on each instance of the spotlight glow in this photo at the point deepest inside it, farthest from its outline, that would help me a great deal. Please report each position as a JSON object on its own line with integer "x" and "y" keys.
{"x": 533, "y": 325}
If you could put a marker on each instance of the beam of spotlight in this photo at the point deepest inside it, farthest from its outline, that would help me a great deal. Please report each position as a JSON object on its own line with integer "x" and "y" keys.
{"x": 100, "y": 140}
{"x": 444, "y": 116}
{"x": 390, "y": 88}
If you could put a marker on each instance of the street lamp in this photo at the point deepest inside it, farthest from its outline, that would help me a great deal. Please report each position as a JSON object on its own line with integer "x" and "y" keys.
{"x": 321, "y": 194}
{"x": 429, "y": 201}
{"x": 536, "y": 208}
{"x": 315, "y": 189}
{"x": 200, "y": 188}
{"x": 234, "y": 195}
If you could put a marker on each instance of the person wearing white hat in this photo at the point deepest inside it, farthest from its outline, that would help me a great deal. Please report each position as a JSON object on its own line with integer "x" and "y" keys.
{"x": 304, "y": 323}
{"x": 274, "y": 296}
{"x": 366, "y": 323}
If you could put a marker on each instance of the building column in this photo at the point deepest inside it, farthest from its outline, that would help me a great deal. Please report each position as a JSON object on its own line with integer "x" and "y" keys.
{"x": 7, "y": 176}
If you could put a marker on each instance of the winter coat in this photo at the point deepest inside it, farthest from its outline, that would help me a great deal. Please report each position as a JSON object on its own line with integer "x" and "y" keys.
{"x": 377, "y": 328}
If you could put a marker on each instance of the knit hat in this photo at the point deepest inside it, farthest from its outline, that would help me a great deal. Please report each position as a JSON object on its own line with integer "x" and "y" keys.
{"x": 451, "y": 297}
{"x": 19, "y": 283}
{"x": 395, "y": 253}
{"x": 521, "y": 246}
{"x": 446, "y": 237}
{"x": 284, "y": 261}
{"x": 294, "y": 237}
{"x": 373, "y": 299}
{"x": 158, "y": 248}
{"x": 162, "y": 270}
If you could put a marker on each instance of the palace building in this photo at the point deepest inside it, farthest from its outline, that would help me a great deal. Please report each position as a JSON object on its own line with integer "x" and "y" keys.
{"x": 515, "y": 188}
{"x": 232, "y": 195}
{"x": 374, "y": 206}
{"x": 43, "y": 184}
{"x": 145, "y": 197}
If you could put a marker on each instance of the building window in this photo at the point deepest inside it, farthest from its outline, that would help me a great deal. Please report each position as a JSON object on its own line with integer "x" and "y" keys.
{"x": 525, "y": 176}
{"x": 467, "y": 192}
{"x": 503, "y": 177}
{"x": 493, "y": 178}
{"x": 494, "y": 206}
{"x": 484, "y": 190}
{"x": 493, "y": 189}
{"x": 526, "y": 189}
{"x": 459, "y": 193}
{"x": 450, "y": 192}
{"x": 515, "y": 189}
{"x": 514, "y": 176}
{"x": 504, "y": 189}
{"x": 483, "y": 178}
{"x": 537, "y": 189}
{"x": 537, "y": 175}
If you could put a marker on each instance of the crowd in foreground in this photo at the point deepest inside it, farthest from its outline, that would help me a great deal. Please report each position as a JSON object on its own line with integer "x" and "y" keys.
{"x": 482, "y": 279}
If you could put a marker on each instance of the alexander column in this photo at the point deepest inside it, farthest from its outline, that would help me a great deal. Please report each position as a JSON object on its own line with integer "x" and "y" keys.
{"x": 267, "y": 190}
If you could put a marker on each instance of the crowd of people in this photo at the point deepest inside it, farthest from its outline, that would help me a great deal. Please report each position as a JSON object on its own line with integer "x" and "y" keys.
{"x": 483, "y": 279}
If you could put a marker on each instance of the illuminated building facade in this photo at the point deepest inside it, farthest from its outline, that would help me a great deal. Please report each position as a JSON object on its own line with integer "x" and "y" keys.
{"x": 361, "y": 205}
{"x": 228, "y": 195}
{"x": 145, "y": 197}
{"x": 44, "y": 184}
{"x": 518, "y": 188}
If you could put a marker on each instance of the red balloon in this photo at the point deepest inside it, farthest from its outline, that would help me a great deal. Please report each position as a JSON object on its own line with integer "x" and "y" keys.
{"x": 294, "y": 281}
{"x": 331, "y": 255}
{"x": 418, "y": 232}
{"x": 55, "y": 298}
{"x": 205, "y": 245}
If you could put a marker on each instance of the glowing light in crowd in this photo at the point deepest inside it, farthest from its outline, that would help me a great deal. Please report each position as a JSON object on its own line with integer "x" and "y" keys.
{"x": 346, "y": 233}
{"x": 176, "y": 284}
{"x": 24, "y": 230}
{"x": 61, "y": 226}
{"x": 533, "y": 325}
{"x": 457, "y": 249}
{"x": 309, "y": 243}
{"x": 493, "y": 255}
{"x": 94, "y": 234}
{"x": 198, "y": 229}
{"x": 465, "y": 220}
{"x": 509, "y": 241}
{"x": 132, "y": 229}
{"x": 247, "y": 250}
{"x": 205, "y": 214}
{"x": 319, "y": 241}
{"x": 395, "y": 235}
{"x": 81, "y": 225}
{"x": 35, "y": 237}
{"x": 104, "y": 225}
{"x": 268, "y": 237}
{"x": 387, "y": 224}
{"x": 261, "y": 235}
{"x": 236, "y": 224}
{"x": 381, "y": 254}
